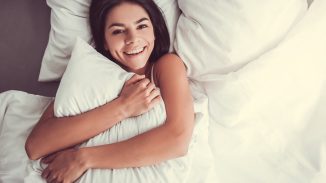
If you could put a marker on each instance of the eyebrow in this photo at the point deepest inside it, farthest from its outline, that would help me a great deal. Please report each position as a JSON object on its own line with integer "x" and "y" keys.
{"x": 122, "y": 25}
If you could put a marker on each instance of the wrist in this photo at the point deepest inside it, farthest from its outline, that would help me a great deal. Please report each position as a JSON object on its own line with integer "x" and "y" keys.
{"x": 123, "y": 108}
{"x": 116, "y": 110}
{"x": 85, "y": 158}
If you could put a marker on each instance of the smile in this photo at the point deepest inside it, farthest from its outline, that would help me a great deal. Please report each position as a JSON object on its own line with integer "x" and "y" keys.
{"x": 135, "y": 51}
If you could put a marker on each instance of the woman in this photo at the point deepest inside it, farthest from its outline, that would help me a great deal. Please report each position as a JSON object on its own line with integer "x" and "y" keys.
{"x": 133, "y": 34}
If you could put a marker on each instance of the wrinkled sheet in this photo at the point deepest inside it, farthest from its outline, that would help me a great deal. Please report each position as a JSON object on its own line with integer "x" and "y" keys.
{"x": 20, "y": 111}
{"x": 268, "y": 119}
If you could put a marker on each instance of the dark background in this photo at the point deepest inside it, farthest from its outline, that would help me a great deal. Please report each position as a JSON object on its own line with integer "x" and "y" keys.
{"x": 24, "y": 32}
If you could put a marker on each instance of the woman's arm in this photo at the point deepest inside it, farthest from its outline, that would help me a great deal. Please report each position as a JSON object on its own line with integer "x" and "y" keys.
{"x": 168, "y": 141}
{"x": 52, "y": 134}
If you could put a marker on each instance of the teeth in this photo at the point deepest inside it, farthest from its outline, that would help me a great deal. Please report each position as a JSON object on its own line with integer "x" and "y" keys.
{"x": 135, "y": 51}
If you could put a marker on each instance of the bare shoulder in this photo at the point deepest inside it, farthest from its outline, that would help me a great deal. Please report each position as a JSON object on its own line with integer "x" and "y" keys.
{"x": 169, "y": 67}
{"x": 169, "y": 59}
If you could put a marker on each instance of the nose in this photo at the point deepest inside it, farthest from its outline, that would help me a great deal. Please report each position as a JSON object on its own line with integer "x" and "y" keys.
{"x": 131, "y": 37}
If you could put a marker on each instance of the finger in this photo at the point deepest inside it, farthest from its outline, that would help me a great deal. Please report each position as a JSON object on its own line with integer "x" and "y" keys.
{"x": 143, "y": 83}
{"x": 56, "y": 180}
{"x": 134, "y": 79}
{"x": 155, "y": 101}
{"x": 48, "y": 159}
{"x": 53, "y": 181}
{"x": 51, "y": 178}
{"x": 155, "y": 93}
{"x": 45, "y": 173}
{"x": 150, "y": 88}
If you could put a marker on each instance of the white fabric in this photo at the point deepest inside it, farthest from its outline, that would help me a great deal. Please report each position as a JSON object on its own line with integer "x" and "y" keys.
{"x": 92, "y": 80}
{"x": 221, "y": 36}
{"x": 69, "y": 19}
{"x": 297, "y": 60}
{"x": 272, "y": 111}
{"x": 309, "y": 2}
{"x": 269, "y": 117}
{"x": 19, "y": 112}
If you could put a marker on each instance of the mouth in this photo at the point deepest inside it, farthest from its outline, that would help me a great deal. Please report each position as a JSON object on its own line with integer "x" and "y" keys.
{"x": 134, "y": 52}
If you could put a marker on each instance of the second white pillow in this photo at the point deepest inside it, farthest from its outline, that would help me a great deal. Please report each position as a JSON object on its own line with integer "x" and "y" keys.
{"x": 218, "y": 37}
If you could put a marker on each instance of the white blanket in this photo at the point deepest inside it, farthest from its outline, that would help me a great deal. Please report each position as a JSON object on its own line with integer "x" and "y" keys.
{"x": 272, "y": 111}
{"x": 20, "y": 112}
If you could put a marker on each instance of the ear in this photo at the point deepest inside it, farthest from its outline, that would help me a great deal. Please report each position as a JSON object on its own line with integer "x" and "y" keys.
{"x": 106, "y": 47}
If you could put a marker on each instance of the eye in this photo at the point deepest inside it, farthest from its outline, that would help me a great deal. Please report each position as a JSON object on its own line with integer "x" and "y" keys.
{"x": 142, "y": 26}
{"x": 118, "y": 31}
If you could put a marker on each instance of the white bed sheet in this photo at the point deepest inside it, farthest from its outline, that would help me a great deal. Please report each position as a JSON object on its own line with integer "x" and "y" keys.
{"x": 268, "y": 119}
{"x": 19, "y": 112}
{"x": 244, "y": 153}
{"x": 302, "y": 160}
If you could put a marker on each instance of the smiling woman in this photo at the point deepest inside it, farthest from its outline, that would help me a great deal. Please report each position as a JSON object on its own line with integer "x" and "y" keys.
{"x": 129, "y": 37}
{"x": 143, "y": 24}
{"x": 133, "y": 34}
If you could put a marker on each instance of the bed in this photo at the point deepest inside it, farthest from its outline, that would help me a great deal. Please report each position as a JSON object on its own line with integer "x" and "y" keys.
{"x": 259, "y": 82}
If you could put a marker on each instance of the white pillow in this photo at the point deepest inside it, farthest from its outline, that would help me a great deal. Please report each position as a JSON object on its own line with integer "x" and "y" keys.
{"x": 218, "y": 37}
{"x": 69, "y": 19}
{"x": 90, "y": 80}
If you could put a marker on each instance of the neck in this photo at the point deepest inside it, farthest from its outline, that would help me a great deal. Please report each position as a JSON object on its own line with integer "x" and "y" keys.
{"x": 146, "y": 70}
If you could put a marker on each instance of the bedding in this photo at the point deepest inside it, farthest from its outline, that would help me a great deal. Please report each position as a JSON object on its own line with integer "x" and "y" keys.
{"x": 88, "y": 81}
{"x": 83, "y": 88}
{"x": 230, "y": 34}
{"x": 272, "y": 110}
{"x": 243, "y": 31}
{"x": 20, "y": 111}
{"x": 69, "y": 19}
{"x": 267, "y": 120}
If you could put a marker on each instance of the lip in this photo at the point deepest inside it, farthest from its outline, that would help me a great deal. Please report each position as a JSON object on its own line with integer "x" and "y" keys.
{"x": 131, "y": 55}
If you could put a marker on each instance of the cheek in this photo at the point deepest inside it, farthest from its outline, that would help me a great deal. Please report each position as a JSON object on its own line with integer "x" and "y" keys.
{"x": 149, "y": 35}
{"x": 113, "y": 44}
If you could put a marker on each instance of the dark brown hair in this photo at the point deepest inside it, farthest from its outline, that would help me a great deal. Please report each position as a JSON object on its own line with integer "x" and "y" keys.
{"x": 97, "y": 18}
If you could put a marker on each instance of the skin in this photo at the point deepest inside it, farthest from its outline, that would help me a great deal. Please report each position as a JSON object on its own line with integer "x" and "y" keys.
{"x": 126, "y": 36}
{"x": 131, "y": 30}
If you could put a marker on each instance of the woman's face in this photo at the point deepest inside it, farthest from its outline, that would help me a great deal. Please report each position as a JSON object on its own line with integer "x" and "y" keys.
{"x": 129, "y": 36}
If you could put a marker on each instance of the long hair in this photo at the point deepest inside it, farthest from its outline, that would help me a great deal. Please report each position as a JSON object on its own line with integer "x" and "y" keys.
{"x": 97, "y": 18}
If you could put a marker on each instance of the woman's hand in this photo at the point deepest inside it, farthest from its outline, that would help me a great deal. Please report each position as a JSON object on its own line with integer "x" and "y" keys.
{"x": 64, "y": 166}
{"x": 138, "y": 95}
